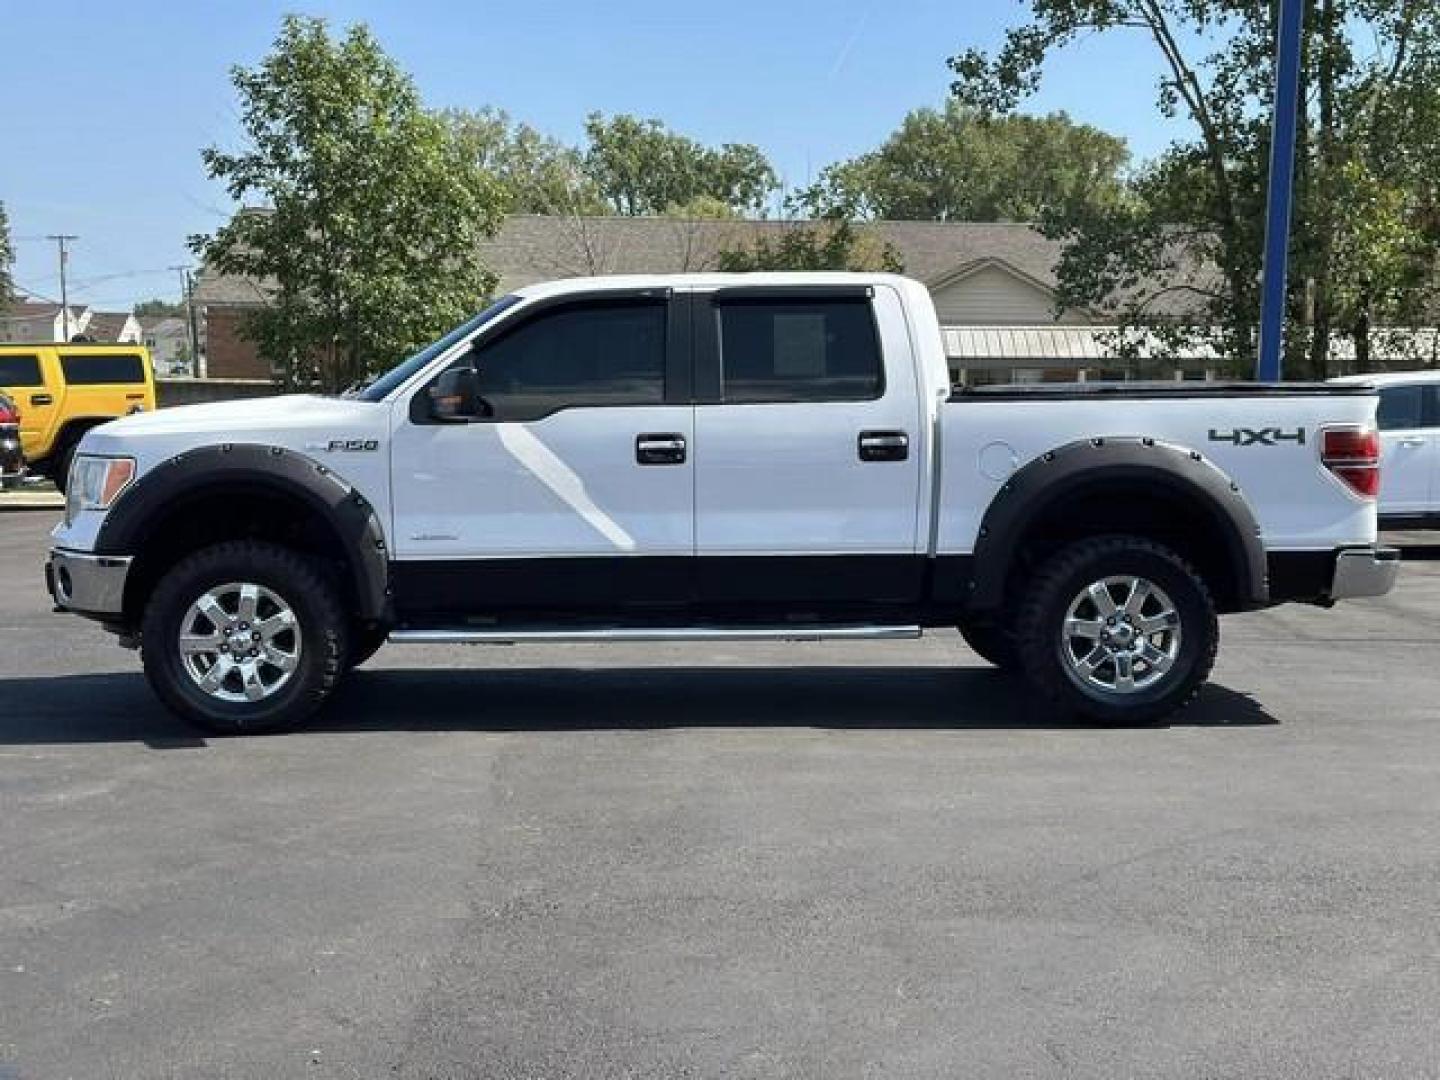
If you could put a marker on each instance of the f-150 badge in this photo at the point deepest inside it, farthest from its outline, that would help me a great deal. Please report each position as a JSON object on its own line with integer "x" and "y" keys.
{"x": 1270, "y": 436}
{"x": 351, "y": 446}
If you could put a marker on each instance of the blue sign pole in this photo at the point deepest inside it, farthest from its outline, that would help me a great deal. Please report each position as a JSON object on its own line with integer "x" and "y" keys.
{"x": 1282, "y": 185}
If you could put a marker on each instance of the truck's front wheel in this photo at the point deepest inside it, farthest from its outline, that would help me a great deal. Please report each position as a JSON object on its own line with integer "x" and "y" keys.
{"x": 244, "y": 637}
{"x": 1117, "y": 629}
{"x": 991, "y": 642}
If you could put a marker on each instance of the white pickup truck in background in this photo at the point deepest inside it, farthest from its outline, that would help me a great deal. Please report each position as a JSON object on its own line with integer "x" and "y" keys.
{"x": 714, "y": 457}
{"x": 1409, "y": 421}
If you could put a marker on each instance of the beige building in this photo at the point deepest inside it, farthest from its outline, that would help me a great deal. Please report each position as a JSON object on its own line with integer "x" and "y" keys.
{"x": 993, "y": 286}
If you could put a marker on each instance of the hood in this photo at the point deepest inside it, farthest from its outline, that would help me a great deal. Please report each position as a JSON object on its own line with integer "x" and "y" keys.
{"x": 248, "y": 415}
{"x": 300, "y": 422}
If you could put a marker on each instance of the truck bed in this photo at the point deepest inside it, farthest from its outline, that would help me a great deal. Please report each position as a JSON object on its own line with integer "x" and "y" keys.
{"x": 1264, "y": 437}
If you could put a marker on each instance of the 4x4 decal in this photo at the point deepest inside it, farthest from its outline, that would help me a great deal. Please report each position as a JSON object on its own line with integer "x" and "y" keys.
{"x": 1270, "y": 436}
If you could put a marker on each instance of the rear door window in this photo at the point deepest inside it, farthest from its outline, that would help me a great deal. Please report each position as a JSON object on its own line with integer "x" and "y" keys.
{"x": 774, "y": 350}
{"x": 107, "y": 369}
{"x": 20, "y": 370}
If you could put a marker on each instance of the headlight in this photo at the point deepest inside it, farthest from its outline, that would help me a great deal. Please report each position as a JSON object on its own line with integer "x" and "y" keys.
{"x": 96, "y": 482}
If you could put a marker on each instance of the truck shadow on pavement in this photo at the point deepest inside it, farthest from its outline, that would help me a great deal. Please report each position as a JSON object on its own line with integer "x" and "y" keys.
{"x": 120, "y": 707}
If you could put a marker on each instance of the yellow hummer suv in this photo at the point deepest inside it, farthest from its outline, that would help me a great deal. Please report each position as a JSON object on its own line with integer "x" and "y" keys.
{"x": 63, "y": 390}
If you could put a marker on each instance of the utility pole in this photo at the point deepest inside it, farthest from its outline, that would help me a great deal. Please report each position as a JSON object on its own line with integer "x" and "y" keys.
{"x": 187, "y": 290}
{"x": 62, "y": 239}
{"x": 1284, "y": 120}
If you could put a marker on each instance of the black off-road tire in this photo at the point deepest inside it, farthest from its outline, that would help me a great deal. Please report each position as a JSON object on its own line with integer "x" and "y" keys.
{"x": 58, "y": 468}
{"x": 322, "y": 628}
{"x": 993, "y": 643}
{"x": 1047, "y": 599}
{"x": 365, "y": 641}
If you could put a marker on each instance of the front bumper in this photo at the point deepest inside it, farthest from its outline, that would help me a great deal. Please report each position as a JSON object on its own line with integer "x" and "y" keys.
{"x": 1369, "y": 571}
{"x": 87, "y": 584}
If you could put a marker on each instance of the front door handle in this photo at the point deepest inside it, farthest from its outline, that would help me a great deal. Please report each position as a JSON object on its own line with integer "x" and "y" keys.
{"x": 41, "y": 399}
{"x": 884, "y": 446}
{"x": 662, "y": 449}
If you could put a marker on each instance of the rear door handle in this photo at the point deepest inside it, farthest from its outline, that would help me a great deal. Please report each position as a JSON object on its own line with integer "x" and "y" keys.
{"x": 1414, "y": 440}
{"x": 667, "y": 448}
{"x": 41, "y": 399}
{"x": 884, "y": 446}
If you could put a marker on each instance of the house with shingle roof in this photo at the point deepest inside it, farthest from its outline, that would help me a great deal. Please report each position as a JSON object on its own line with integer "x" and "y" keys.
{"x": 111, "y": 328}
{"x": 168, "y": 339}
{"x": 25, "y": 321}
{"x": 994, "y": 286}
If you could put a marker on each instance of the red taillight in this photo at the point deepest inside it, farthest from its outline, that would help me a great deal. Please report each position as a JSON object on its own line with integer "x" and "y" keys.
{"x": 1353, "y": 454}
{"x": 8, "y": 415}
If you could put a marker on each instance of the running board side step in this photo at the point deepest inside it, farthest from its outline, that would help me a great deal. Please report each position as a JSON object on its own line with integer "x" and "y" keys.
{"x": 656, "y": 633}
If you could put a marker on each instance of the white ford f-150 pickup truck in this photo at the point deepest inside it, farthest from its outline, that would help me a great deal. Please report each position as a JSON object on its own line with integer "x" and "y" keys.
{"x": 708, "y": 457}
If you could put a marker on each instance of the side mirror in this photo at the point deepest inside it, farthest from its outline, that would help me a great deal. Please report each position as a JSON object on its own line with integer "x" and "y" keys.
{"x": 455, "y": 396}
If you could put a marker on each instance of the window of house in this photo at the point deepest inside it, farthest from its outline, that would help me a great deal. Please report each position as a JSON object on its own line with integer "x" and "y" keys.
{"x": 90, "y": 369}
{"x": 20, "y": 371}
{"x": 1401, "y": 407}
{"x": 794, "y": 349}
{"x": 589, "y": 354}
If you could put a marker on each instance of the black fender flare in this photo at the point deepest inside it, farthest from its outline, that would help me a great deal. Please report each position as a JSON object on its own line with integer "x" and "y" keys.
{"x": 272, "y": 469}
{"x": 1093, "y": 464}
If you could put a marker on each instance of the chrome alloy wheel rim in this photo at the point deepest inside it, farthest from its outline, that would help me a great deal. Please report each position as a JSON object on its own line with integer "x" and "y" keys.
{"x": 1121, "y": 635}
{"x": 240, "y": 642}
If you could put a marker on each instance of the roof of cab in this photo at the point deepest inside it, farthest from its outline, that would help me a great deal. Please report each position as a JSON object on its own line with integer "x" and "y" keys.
{"x": 705, "y": 281}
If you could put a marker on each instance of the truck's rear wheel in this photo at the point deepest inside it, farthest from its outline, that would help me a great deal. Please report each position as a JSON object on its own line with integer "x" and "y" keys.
{"x": 1118, "y": 630}
{"x": 244, "y": 637}
{"x": 993, "y": 642}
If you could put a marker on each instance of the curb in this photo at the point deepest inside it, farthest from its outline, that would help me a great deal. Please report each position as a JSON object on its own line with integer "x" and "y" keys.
{"x": 46, "y": 498}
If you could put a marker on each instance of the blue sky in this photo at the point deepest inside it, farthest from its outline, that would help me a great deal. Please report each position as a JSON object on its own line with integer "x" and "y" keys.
{"x": 108, "y": 105}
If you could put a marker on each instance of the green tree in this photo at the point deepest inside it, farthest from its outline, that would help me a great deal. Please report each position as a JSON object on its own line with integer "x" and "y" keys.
{"x": 538, "y": 174}
{"x": 1191, "y": 230}
{"x": 813, "y": 245}
{"x": 367, "y": 245}
{"x": 7, "y": 258}
{"x": 641, "y": 167}
{"x": 146, "y": 308}
{"x": 958, "y": 164}
{"x": 813, "y": 240}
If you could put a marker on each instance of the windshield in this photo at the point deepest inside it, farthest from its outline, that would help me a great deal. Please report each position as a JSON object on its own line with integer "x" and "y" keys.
{"x": 378, "y": 389}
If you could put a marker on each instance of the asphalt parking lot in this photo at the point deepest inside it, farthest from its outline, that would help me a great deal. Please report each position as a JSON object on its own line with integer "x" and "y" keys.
{"x": 833, "y": 860}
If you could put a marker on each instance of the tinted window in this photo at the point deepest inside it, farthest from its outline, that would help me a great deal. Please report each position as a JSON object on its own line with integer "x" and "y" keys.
{"x": 605, "y": 353}
{"x": 380, "y": 387}
{"x": 20, "y": 371}
{"x": 1401, "y": 407}
{"x": 91, "y": 370}
{"x": 799, "y": 350}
